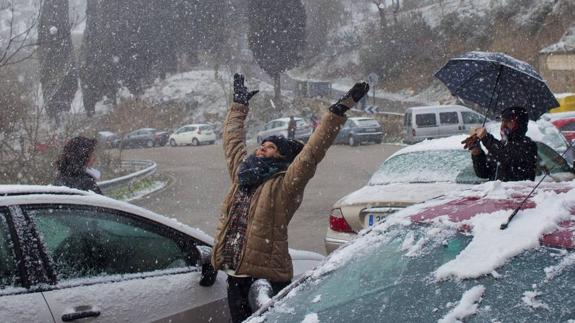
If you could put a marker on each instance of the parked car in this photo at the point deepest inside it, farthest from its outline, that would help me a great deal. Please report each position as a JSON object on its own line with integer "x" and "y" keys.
{"x": 359, "y": 130}
{"x": 145, "y": 137}
{"x": 438, "y": 121}
{"x": 69, "y": 255}
{"x": 418, "y": 173}
{"x": 567, "y": 127}
{"x": 279, "y": 127}
{"x": 448, "y": 261}
{"x": 107, "y": 139}
{"x": 193, "y": 134}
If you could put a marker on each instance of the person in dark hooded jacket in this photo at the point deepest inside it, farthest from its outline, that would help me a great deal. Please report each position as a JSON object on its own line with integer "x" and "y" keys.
{"x": 513, "y": 158}
{"x": 75, "y": 165}
{"x": 251, "y": 241}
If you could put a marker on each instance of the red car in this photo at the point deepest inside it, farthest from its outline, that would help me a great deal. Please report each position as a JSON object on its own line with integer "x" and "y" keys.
{"x": 567, "y": 127}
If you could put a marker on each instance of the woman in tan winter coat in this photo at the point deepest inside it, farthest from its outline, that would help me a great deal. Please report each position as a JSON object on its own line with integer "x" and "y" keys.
{"x": 267, "y": 188}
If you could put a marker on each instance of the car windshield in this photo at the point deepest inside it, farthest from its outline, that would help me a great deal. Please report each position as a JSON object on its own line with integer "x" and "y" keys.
{"x": 367, "y": 123}
{"x": 542, "y": 131}
{"x": 390, "y": 277}
{"x": 427, "y": 167}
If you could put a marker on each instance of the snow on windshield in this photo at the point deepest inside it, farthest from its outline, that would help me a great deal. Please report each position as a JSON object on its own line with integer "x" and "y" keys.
{"x": 425, "y": 167}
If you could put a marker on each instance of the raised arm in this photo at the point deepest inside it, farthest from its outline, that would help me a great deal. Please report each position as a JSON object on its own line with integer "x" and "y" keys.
{"x": 303, "y": 168}
{"x": 234, "y": 135}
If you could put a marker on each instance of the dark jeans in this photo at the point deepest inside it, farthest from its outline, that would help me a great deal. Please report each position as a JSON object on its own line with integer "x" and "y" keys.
{"x": 238, "y": 290}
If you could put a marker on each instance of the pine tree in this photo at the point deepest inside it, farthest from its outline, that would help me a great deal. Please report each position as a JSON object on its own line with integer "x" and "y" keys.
{"x": 276, "y": 36}
{"x": 58, "y": 74}
{"x": 99, "y": 72}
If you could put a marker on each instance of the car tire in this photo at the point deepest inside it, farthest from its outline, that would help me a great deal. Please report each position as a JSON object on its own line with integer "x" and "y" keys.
{"x": 173, "y": 143}
{"x": 150, "y": 143}
{"x": 195, "y": 142}
{"x": 351, "y": 141}
{"x": 378, "y": 141}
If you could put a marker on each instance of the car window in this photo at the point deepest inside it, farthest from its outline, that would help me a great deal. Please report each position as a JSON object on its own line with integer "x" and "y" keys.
{"x": 280, "y": 124}
{"x": 367, "y": 123}
{"x": 423, "y": 120}
{"x": 8, "y": 269}
{"x": 427, "y": 167}
{"x": 448, "y": 118}
{"x": 204, "y": 128}
{"x": 300, "y": 123}
{"x": 550, "y": 160}
{"x": 392, "y": 277}
{"x": 568, "y": 127}
{"x": 192, "y": 129}
{"x": 407, "y": 120}
{"x": 471, "y": 117}
{"x": 89, "y": 242}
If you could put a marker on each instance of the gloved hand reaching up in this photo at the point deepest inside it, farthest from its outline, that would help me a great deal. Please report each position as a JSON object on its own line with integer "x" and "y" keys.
{"x": 350, "y": 98}
{"x": 241, "y": 94}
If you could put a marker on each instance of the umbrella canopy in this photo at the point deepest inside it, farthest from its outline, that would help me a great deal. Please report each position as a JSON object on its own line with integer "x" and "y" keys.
{"x": 497, "y": 81}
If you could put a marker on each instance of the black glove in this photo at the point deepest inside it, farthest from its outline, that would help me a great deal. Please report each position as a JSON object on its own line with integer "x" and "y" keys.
{"x": 350, "y": 98}
{"x": 241, "y": 94}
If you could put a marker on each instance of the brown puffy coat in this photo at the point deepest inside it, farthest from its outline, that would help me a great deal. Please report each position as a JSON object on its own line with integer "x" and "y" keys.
{"x": 265, "y": 252}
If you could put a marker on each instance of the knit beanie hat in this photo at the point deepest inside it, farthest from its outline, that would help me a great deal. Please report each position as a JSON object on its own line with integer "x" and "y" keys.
{"x": 288, "y": 148}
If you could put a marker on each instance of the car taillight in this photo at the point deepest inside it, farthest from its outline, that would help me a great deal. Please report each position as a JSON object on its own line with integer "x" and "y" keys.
{"x": 413, "y": 132}
{"x": 338, "y": 223}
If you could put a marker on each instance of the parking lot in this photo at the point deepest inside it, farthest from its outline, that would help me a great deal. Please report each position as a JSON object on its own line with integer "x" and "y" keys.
{"x": 199, "y": 181}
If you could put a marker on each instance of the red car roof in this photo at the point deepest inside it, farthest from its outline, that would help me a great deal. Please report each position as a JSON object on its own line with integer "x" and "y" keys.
{"x": 465, "y": 208}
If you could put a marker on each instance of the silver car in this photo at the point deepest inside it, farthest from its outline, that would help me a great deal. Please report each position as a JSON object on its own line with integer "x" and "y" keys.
{"x": 279, "y": 127}
{"x": 70, "y": 255}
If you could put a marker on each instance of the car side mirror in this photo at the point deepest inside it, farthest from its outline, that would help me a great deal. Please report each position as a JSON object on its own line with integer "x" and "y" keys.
{"x": 259, "y": 294}
{"x": 209, "y": 274}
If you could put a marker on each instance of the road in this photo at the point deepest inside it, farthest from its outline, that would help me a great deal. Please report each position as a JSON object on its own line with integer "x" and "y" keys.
{"x": 200, "y": 181}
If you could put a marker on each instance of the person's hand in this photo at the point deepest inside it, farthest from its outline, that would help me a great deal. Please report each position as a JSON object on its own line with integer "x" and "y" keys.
{"x": 480, "y": 132}
{"x": 350, "y": 98}
{"x": 470, "y": 142}
{"x": 241, "y": 94}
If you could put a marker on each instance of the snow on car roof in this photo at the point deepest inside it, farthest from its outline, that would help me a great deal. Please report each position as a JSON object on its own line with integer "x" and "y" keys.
{"x": 38, "y": 194}
{"x": 39, "y": 189}
{"x": 546, "y": 219}
{"x": 447, "y": 143}
{"x": 541, "y": 131}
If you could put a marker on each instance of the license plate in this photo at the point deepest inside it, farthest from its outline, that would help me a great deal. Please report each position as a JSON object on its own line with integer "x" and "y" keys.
{"x": 373, "y": 219}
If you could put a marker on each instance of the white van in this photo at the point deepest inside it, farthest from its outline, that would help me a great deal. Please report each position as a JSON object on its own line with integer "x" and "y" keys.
{"x": 437, "y": 121}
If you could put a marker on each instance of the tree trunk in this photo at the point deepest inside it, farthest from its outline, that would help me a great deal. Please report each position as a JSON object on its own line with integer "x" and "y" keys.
{"x": 277, "y": 89}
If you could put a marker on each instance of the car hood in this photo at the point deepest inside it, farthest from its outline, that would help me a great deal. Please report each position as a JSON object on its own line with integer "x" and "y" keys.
{"x": 398, "y": 193}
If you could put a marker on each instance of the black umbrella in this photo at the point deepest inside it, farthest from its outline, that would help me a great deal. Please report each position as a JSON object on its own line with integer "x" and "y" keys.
{"x": 497, "y": 81}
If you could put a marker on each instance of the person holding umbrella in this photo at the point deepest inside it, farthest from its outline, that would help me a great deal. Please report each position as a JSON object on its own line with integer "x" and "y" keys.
{"x": 513, "y": 158}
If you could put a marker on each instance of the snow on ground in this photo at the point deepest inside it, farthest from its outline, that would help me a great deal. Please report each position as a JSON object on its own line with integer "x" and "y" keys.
{"x": 467, "y": 305}
{"x": 155, "y": 186}
{"x": 565, "y": 44}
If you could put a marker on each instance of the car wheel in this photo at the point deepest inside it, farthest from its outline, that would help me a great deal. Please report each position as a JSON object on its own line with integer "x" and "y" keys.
{"x": 150, "y": 143}
{"x": 351, "y": 141}
{"x": 378, "y": 141}
{"x": 195, "y": 142}
{"x": 173, "y": 143}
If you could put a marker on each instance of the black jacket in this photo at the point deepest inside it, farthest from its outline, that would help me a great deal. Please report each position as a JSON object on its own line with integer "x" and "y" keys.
{"x": 515, "y": 160}
{"x": 82, "y": 181}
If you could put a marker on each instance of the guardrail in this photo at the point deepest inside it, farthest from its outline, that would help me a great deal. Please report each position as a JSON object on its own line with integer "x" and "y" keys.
{"x": 146, "y": 168}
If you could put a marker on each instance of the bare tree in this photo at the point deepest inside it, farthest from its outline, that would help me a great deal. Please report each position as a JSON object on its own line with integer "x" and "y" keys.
{"x": 19, "y": 45}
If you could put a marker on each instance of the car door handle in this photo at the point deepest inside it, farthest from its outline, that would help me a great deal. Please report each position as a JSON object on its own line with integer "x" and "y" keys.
{"x": 80, "y": 314}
